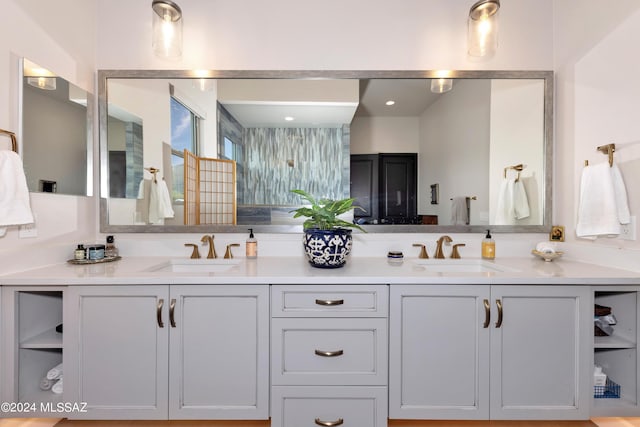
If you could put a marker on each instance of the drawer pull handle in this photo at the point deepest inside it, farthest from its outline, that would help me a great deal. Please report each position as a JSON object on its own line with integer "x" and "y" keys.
{"x": 337, "y": 422}
{"x": 330, "y": 354}
{"x": 329, "y": 302}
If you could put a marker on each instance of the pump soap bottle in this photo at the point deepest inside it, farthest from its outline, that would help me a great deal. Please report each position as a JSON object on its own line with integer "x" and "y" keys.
{"x": 488, "y": 247}
{"x": 252, "y": 245}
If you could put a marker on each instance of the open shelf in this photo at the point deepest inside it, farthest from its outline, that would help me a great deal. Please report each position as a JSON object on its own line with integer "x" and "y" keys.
{"x": 37, "y": 347}
{"x": 617, "y": 354}
{"x": 47, "y": 339}
{"x": 613, "y": 341}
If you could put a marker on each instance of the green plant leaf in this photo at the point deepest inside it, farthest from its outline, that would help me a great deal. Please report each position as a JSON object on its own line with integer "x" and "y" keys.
{"x": 323, "y": 213}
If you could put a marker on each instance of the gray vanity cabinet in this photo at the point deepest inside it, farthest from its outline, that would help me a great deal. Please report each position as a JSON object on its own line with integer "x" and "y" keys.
{"x": 497, "y": 352}
{"x": 329, "y": 355}
{"x": 439, "y": 352}
{"x": 219, "y": 352}
{"x": 158, "y": 352}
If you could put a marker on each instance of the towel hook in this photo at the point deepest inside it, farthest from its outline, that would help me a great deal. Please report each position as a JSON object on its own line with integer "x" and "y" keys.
{"x": 608, "y": 149}
{"x": 14, "y": 142}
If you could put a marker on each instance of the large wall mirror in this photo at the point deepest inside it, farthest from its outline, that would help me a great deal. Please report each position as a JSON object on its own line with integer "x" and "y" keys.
{"x": 56, "y": 132}
{"x": 421, "y": 151}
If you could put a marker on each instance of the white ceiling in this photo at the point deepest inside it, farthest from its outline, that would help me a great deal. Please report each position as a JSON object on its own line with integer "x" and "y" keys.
{"x": 411, "y": 96}
{"x": 308, "y": 114}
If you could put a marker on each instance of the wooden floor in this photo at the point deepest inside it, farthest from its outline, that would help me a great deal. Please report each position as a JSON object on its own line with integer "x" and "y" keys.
{"x": 51, "y": 422}
{"x": 392, "y": 423}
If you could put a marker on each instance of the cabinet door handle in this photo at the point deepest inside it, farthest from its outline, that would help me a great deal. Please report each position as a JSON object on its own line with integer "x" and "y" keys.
{"x": 329, "y": 353}
{"x": 499, "y": 322}
{"x": 172, "y": 309}
{"x": 159, "y": 313}
{"x": 329, "y": 302}
{"x": 487, "y": 313}
{"x": 337, "y": 422}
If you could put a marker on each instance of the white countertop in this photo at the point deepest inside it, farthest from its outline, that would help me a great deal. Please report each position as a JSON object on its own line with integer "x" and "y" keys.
{"x": 296, "y": 270}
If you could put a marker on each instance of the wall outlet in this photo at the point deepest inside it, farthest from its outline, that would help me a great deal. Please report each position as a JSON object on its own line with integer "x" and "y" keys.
{"x": 28, "y": 230}
{"x": 628, "y": 231}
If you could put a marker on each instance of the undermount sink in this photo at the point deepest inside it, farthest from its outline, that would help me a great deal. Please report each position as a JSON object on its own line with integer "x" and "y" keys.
{"x": 461, "y": 266}
{"x": 196, "y": 265}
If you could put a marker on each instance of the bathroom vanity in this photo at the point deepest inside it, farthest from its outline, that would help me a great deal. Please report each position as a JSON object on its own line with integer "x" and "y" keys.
{"x": 160, "y": 338}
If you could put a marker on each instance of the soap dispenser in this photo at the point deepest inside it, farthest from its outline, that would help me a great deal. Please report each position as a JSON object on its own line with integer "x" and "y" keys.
{"x": 252, "y": 246}
{"x": 488, "y": 247}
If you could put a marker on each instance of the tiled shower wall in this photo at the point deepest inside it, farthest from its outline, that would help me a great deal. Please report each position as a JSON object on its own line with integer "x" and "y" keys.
{"x": 278, "y": 160}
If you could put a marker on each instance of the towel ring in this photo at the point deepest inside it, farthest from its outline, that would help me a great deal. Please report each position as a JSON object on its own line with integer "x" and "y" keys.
{"x": 14, "y": 142}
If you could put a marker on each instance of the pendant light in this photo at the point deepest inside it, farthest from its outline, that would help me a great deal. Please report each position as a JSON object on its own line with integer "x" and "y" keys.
{"x": 441, "y": 85}
{"x": 167, "y": 29}
{"x": 482, "y": 28}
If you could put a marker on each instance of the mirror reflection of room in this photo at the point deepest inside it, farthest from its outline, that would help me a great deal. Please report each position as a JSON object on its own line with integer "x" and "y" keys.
{"x": 54, "y": 132}
{"x": 385, "y": 142}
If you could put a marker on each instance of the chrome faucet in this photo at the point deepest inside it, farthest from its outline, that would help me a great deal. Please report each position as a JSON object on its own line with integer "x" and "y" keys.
{"x": 439, "y": 253}
{"x": 212, "y": 248}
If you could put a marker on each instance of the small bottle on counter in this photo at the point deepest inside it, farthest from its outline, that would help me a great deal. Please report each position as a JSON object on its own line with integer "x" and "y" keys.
{"x": 488, "y": 247}
{"x": 111, "y": 251}
{"x": 80, "y": 253}
{"x": 252, "y": 246}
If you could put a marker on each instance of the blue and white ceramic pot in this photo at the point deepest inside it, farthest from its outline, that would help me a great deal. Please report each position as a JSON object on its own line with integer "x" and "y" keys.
{"x": 327, "y": 248}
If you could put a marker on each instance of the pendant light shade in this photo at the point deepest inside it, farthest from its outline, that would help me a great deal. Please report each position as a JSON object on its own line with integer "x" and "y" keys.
{"x": 167, "y": 29}
{"x": 482, "y": 28}
{"x": 441, "y": 85}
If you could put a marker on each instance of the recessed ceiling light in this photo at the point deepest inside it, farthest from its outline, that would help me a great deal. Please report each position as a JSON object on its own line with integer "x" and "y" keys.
{"x": 289, "y": 118}
{"x": 390, "y": 102}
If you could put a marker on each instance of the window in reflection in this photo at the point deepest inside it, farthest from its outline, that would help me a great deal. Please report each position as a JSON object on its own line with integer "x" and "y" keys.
{"x": 184, "y": 136}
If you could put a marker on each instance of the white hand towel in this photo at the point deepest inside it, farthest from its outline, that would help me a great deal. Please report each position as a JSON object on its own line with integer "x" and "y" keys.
{"x": 166, "y": 210}
{"x": 46, "y": 384}
{"x": 546, "y": 247}
{"x": 459, "y": 213}
{"x": 154, "y": 205}
{"x": 159, "y": 202}
{"x": 57, "y": 387}
{"x": 55, "y": 372}
{"x": 603, "y": 202}
{"x": 141, "y": 189}
{"x": 504, "y": 209}
{"x": 620, "y": 191}
{"x": 15, "y": 208}
{"x": 520, "y": 201}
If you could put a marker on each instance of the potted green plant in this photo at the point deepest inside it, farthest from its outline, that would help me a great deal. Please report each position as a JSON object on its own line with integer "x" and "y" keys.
{"x": 327, "y": 238}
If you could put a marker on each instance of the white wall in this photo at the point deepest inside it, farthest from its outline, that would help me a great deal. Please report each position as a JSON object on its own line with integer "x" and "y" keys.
{"x": 333, "y": 34}
{"x": 372, "y": 135}
{"x": 598, "y": 87}
{"x": 289, "y": 34}
{"x": 517, "y": 133}
{"x": 454, "y": 130}
{"x": 60, "y": 37}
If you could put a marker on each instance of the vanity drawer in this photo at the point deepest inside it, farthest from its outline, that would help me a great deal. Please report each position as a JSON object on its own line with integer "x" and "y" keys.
{"x": 326, "y": 406}
{"x": 329, "y": 351}
{"x": 329, "y": 301}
